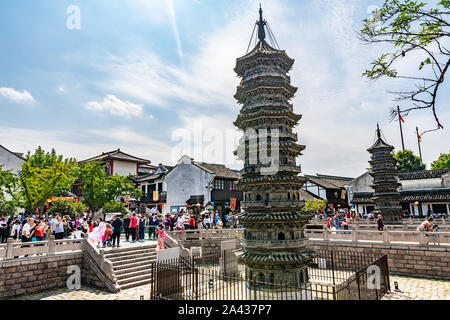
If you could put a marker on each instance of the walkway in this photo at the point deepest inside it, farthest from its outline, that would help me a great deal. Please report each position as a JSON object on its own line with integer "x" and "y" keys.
{"x": 412, "y": 289}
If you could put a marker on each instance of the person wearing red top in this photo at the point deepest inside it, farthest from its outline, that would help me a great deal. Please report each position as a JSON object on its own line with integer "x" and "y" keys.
{"x": 192, "y": 223}
{"x": 133, "y": 227}
{"x": 107, "y": 236}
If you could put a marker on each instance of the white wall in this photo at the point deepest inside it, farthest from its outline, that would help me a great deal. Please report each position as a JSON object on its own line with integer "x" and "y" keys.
{"x": 10, "y": 161}
{"x": 184, "y": 181}
{"x": 123, "y": 168}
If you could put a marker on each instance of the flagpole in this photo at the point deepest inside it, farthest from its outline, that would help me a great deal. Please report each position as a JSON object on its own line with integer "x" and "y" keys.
{"x": 419, "y": 140}
{"x": 401, "y": 127}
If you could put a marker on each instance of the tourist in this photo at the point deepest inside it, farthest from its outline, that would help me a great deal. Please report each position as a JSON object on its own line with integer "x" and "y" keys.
{"x": 153, "y": 224}
{"x": 59, "y": 229}
{"x": 345, "y": 224}
{"x": 98, "y": 232}
{"x": 426, "y": 225}
{"x": 161, "y": 234}
{"x": 15, "y": 231}
{"x": 219, "y": 224}
{"x": 133, "y": 227}
{"x": 380, "y": 223}
{"x": 167, "y": 223}
{"x": 3, "y": 230}
{"x": 207, "y": 221}
{"x": 107, "y": 236}
{"x": 27, "y": 234}
{"x": 216, "y": 218}
{"x": 77, "y": 234}
{"x": 39, "y": 231}
{"x": 117, "y": 228}
{"x": 142, "y": 223}
{"x": 192, "y": 223}
{"x": 186, "y": 221}
{"x": 126, "y": 227}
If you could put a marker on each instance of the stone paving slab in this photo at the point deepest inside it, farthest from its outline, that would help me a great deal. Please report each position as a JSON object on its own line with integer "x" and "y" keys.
{"x": 411, "y": 289}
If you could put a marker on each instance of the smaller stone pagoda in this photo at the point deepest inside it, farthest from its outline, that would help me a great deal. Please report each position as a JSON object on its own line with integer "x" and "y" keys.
{"x": 385, "y": 181}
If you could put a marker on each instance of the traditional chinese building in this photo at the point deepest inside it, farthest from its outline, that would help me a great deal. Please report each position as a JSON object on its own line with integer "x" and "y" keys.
{"x": 385, "y": 180}
{"x": 274, "y": 249}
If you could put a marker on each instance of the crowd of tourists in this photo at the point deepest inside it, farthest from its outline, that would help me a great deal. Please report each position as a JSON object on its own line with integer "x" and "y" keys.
{"x": 340, "y": 220}
{"x": 24, "y": 228}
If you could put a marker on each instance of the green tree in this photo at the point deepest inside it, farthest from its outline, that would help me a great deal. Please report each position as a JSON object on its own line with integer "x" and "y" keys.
{"x": 417, "y": 29}
{"x": 314, "y": 206}
{"x": 98, "y": 189}
{"x": 9, "y": 185}
{"x": 44, "y": 175}
{"x": 79, "y": 207}
{"x": 63, "y": 207}
{"x": 442, "y": 163}
{"x": 114, "y": 207}
{"x": 408, "y": 162}
{"x": 8, "y": 208}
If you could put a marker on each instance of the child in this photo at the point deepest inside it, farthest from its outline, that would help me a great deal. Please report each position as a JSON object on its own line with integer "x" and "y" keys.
{"x": 77, "y": 234}
{"x": 108, "y": 236}
{"x": 161, "y": 234}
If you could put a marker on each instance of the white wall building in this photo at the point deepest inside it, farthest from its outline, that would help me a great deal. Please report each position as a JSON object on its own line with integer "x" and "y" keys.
{"x": 422, "y": 192}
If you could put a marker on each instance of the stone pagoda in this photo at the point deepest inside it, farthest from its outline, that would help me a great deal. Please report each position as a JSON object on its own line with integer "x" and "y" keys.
{"x": 274, "y": 248}
{"x": 385, "y": 181}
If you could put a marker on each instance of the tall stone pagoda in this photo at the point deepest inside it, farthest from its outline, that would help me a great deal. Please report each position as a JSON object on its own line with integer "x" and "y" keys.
{"x": 274, "y": 248}
{"x": 385, "y": 181}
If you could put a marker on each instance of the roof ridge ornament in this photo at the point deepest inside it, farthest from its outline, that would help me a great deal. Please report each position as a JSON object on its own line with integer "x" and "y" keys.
{"x": 261, "y": 25}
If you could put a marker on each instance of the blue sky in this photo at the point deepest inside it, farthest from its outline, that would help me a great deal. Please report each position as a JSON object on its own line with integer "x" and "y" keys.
{"x": 141, "y": 74}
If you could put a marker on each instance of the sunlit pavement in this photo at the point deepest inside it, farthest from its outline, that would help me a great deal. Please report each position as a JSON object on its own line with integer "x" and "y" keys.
{"x": 411, "y": 289}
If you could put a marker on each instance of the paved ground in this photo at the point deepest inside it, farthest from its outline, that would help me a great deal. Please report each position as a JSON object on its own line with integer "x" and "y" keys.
{"x": 419, "y": 289}
{"x": 412, "y": 289}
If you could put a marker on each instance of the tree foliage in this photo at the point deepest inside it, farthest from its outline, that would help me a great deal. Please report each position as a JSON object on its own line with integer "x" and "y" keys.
{"x": 409, "y": 26}
{"x": 408, "y": 162}
{"x": 98, "y": 189}
{"x": 114, "y": 207}
{"x": 314, "y": 206}
{"x": 443, "y": 162}
{"x": 44, "y": 175}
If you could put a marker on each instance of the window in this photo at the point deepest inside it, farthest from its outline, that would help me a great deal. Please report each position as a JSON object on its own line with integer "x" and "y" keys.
{"x": 219, "y": 184}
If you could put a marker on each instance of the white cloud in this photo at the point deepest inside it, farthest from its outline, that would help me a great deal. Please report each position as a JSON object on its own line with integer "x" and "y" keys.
{"x": 115, "y": 106}
{"x": 86, "y": 144}
{"x": 17, "y": 96}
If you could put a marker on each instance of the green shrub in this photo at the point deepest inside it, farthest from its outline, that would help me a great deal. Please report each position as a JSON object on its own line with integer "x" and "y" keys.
{"x": 63, "y": 207}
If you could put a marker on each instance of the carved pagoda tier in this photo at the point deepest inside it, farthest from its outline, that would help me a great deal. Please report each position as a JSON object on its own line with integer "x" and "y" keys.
{"x": 274, "y": 249}
{"x": 385, "y": 181}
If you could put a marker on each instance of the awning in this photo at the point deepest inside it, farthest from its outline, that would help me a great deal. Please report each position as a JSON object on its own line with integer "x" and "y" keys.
{"x": 193, "y": 200}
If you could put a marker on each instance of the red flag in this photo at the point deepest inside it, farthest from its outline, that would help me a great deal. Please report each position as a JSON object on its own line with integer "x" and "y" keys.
{"x": 401, "y": 118}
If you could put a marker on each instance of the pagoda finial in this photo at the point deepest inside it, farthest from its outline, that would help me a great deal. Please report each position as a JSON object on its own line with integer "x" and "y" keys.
{"x": 378, "y": 131}
{"x": 261, "y": 23}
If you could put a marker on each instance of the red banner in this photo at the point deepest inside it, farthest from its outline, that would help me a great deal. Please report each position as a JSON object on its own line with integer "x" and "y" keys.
{"x": 233, "y": 204}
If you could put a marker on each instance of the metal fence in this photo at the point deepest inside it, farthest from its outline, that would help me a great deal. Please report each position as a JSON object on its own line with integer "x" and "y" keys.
{"x": 332, "y": 275}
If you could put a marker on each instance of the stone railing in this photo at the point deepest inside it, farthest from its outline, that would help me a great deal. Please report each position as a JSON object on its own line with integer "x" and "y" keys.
{"x": 387, "y": 236}
{"x": 408, "y": 221}
{"x": 102, "y": 266}
{"x": 170, "y": 243}
{"x": 208, "y": 234}
{"x": 50, "y": 247}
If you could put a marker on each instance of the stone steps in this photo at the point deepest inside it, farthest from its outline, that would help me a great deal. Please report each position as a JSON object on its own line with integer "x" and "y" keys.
{"x": 132, "y": 267}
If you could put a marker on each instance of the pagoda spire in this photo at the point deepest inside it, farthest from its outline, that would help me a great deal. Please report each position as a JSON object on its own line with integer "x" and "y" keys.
{"x": 261, "y": 25}
{"x": 378, "y": 131}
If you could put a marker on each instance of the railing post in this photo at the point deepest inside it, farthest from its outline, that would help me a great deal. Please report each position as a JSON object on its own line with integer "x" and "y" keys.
{"x": 405, "y": 226}
{"x": 326, "y": 234}
{"x": 10, "y": 249}
{"x": 386, "y": 236}
{"x": 354, "y": 235}
{"x": 422, "y": 237}
{"x": 51, "y": 245}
